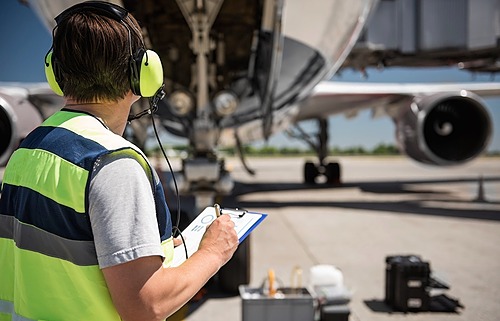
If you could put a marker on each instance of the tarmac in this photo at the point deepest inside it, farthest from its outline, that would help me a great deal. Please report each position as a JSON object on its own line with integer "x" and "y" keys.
{"x": 450, "y": 217}
{"x": 385, "y": 206}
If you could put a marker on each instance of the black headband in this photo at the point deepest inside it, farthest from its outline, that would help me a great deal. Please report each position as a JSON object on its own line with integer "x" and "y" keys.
{"x": 107, "y": 9}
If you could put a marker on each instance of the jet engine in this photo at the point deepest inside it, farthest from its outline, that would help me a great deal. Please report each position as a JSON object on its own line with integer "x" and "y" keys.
{"x": 18, "y": 116}
{"x": 444, "y": 129}
{"x": 15, "y": 123}
{"x": 6, "y": 132}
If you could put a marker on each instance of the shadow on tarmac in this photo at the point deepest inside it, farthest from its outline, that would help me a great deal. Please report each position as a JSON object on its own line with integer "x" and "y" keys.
{"x": 379, "y": 187}
{"x": 432, "y": 202}
{"x": 439, "y": 303}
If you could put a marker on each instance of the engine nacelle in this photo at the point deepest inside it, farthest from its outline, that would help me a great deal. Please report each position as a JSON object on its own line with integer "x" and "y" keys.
{"x": 17, "y": 118}
{"x": 444, "y": 129}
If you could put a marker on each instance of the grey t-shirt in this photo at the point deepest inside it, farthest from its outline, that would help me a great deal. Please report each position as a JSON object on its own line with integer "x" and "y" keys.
{"x": 122, "y": 211}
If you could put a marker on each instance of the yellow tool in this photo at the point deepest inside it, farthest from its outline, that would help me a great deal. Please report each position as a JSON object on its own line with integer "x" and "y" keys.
{"x": 271, "y": 277}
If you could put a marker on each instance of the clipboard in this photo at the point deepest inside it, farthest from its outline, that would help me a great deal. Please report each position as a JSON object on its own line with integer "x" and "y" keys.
{"x": 244, "y": 223}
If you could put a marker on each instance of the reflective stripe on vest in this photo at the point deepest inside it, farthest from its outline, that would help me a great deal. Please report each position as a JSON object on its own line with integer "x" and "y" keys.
{"x": 45, "y": 231}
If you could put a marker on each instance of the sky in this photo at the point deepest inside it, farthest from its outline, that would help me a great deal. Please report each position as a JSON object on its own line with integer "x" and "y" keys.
{"x": 25, "y": 41}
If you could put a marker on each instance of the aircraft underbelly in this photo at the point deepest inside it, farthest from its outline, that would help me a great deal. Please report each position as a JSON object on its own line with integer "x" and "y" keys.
{"x": 271, "y": 53}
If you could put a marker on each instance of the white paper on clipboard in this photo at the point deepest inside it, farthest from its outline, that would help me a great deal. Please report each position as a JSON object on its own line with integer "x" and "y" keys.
{"x": 244, "y": 223}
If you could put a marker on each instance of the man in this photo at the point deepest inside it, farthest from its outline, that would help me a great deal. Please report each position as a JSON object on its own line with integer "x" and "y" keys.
{"x": 85, "y": 233}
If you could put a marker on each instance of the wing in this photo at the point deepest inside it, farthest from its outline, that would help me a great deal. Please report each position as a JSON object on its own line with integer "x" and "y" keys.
{"x": 330, "y": 98}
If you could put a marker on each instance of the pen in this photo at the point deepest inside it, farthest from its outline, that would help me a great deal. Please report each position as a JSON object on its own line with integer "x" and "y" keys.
{"x": 217, "y": 209}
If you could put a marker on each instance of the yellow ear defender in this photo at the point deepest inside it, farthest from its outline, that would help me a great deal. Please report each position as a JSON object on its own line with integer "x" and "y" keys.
{"x": 50, "y": 75}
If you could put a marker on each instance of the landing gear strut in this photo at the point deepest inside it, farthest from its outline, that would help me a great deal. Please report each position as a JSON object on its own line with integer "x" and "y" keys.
{"x": 330, "y": 170}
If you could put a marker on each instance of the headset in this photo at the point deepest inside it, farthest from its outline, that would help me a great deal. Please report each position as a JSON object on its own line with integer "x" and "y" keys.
{"x": 146, "y": 71}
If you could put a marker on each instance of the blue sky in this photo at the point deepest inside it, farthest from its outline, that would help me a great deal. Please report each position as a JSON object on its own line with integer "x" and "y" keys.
{"x": 25, "y": 40}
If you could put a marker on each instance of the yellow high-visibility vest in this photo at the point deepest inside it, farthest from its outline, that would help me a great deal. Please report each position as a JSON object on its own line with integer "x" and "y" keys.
{"x": 48, "y": 263}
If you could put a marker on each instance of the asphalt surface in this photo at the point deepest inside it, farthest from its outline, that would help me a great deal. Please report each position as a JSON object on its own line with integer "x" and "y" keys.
{"x": 385, "y": 206}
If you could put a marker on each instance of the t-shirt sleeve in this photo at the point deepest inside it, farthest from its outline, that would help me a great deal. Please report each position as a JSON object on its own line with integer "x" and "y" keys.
{"x": 122, "y": 211}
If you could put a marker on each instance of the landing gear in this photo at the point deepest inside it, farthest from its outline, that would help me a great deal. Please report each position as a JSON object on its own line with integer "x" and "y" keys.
{"x": 331, "y": 171}
{"x": 205, "y": 180}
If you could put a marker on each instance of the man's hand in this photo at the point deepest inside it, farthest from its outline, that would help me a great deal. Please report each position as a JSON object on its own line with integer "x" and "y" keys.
{"x": 220, "y": 238}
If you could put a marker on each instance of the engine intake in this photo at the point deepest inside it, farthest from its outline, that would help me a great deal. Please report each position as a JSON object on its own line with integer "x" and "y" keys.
{"x": 7, "y": 143}
{"x": 18, "y": 116}
{"x": 444, "y": 129}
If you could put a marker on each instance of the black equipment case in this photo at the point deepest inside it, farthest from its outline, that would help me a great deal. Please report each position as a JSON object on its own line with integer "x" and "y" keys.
{"x": 406, "y": 283}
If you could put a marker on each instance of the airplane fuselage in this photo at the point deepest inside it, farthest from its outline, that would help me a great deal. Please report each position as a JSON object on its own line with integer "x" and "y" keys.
{"x": 230, "y": 63}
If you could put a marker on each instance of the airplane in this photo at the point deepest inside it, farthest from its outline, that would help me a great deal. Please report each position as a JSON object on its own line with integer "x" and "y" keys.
{"x": 240, "y": 71}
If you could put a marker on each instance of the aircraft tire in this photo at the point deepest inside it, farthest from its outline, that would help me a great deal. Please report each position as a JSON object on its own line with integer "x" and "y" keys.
{"x": 237, "y": 270}
{"x": 310, "y": 173}
{"x": 332, "y": 173}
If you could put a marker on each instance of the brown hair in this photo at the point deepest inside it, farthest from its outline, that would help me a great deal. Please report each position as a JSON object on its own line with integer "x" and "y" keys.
{"x": 92, "y": 55}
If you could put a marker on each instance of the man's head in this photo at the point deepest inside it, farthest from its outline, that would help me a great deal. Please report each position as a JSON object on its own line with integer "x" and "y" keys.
{"x": 95, "y": 48}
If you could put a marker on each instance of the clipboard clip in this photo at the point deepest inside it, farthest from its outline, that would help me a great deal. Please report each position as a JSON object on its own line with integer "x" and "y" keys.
{"x": 233, "y": 212}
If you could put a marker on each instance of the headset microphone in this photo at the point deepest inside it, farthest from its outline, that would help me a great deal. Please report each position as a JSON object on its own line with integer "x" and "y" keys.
{"x": 153, "y": 105}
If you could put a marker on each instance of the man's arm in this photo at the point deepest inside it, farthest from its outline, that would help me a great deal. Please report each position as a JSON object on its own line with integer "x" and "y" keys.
{"x": 122, "y": 214}
{"x": 143, "y": 290}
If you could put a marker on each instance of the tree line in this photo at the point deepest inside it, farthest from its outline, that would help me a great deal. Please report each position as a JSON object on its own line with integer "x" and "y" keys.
{"x": 250, "y": 150}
